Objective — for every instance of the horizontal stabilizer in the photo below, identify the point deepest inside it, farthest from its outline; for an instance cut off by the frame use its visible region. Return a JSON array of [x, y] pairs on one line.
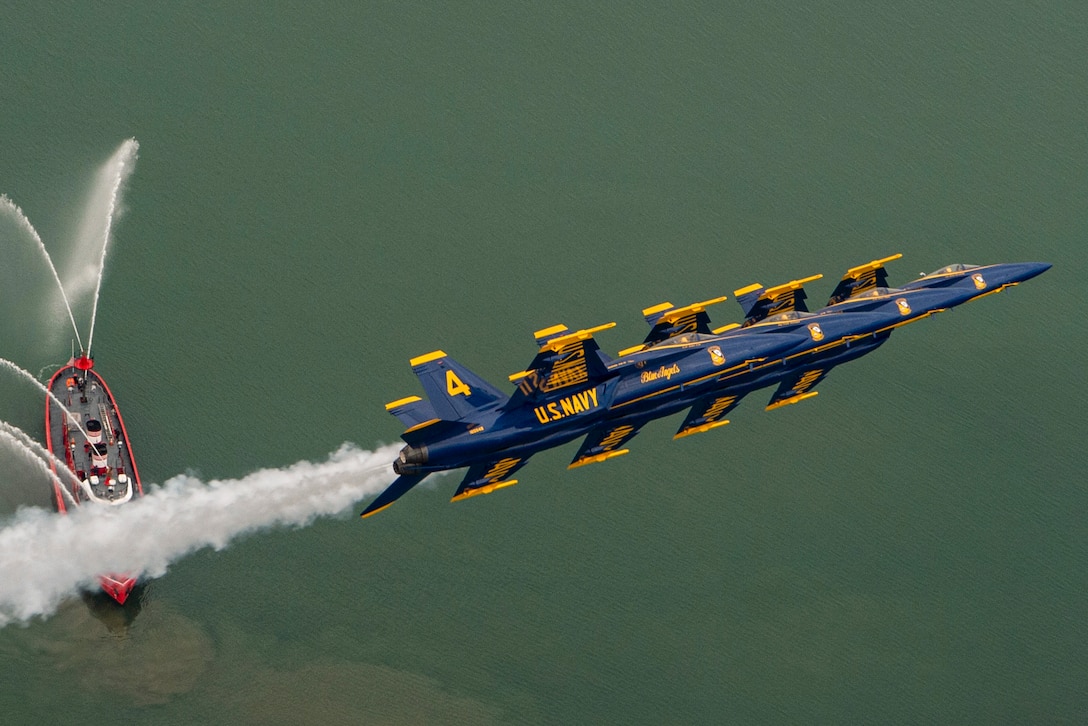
[[862, 279], [797, 388], [488, 477], [412, 411], [708, 413], [759, 302], [564, 359], [604, 443], [392, 493], [667, 321]]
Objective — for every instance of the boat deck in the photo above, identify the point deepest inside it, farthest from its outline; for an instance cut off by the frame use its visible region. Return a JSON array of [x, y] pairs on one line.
[[90, 438]]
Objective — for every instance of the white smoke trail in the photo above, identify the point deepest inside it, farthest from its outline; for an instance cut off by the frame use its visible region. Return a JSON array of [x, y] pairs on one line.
[[45, 557]]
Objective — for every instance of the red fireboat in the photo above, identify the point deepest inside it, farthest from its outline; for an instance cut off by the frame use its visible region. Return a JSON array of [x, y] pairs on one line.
[[88, 435]]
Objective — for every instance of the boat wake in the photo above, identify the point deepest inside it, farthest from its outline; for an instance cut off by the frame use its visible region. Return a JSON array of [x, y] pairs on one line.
[[45, 558]]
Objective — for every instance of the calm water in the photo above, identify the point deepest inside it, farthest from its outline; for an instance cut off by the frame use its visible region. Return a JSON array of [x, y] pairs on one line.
[[326, 191]]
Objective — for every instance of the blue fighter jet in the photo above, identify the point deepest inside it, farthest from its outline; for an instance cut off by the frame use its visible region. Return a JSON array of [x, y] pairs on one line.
[[573, 389]]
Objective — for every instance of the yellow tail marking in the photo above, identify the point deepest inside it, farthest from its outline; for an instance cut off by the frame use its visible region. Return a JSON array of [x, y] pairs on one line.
[[791, 285], [427, 358], [549, 331], [563, 340], [874, 265], [745, 290], [571, 368], [455, 386], [673, 315], [656, 308]]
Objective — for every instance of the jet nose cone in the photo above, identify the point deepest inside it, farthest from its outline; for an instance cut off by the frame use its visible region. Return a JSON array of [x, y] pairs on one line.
[[1022, 271]]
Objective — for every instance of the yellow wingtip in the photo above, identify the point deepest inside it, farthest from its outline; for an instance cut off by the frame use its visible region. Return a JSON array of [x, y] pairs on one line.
[[791, 400], [364, 515], [486, 489], [598, 458], [699, 429]]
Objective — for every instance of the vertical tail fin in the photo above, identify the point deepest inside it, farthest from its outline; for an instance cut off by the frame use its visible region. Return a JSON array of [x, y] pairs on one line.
[[565, 359], [861, 278], [667, 321], [455, 392], [759, 302]]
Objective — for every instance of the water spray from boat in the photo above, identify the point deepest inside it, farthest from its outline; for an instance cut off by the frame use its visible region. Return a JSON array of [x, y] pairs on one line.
[[45, 558], [116, 171], [39, 455], [12, 210], [24, 373]]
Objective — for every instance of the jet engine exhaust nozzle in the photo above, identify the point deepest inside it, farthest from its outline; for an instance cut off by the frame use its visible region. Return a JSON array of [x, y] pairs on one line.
[[410, 460]]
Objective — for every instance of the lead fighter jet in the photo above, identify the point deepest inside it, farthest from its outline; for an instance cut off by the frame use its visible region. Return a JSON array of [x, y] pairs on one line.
[[573, 389]]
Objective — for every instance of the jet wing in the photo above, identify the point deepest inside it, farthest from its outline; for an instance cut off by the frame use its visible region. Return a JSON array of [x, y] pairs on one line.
[[797, 387], [708, 413], [861, 279], [393, 493], [604, 442], [760, 302], [488, 476]]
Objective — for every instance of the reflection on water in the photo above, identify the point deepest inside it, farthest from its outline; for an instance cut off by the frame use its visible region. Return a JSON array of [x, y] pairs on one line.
[[117, 618]]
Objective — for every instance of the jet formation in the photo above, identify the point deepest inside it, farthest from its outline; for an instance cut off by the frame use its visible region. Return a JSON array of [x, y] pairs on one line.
[[573, 389]]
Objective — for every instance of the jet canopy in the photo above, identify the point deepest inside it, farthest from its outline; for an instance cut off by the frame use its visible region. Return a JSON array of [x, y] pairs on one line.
[[684, 339], [877, 292], [953, 268], [787, 317]]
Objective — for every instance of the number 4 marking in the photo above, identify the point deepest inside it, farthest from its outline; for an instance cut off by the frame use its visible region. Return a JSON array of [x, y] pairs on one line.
[[454, 385]]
